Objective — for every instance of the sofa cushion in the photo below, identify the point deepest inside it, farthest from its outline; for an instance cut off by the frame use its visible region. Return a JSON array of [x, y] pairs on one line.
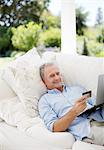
[[22, 75], [11, 110]]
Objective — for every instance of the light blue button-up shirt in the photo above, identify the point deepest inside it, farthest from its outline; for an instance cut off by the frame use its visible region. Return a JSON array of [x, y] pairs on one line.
[[55, 104]]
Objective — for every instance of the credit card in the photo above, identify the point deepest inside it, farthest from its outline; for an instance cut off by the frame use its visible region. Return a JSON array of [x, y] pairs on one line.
[[89, 93]]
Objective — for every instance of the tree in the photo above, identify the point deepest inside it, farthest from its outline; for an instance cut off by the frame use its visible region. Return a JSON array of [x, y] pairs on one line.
[[26, 36], [49, 20], [81, 18], [16, 12], [99, 17], [85, 49], [100, 37], [50, 37], [5, 41]]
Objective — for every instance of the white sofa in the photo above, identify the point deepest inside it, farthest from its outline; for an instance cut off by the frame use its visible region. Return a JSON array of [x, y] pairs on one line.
[[18, 112]]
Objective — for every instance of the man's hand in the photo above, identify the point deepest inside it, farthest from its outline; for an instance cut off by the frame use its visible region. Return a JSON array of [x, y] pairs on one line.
[[80, 104], [63, 123]]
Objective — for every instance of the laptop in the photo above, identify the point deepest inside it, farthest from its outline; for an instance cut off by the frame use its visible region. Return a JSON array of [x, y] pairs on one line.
[[99, 96]]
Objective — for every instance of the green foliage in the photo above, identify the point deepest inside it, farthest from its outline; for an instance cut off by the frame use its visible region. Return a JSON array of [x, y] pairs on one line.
[[100, 37], [50, 38], [16, 12], [101, 54], [79, 43], [81, 18], [95, 48], [3, 30], [5, 40], [94, 45], [25, 37], [16, 54], [85, 49], [50, 21], [91, 32]]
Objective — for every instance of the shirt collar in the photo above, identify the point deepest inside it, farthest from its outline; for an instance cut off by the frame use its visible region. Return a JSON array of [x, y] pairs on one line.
[[53, 91]]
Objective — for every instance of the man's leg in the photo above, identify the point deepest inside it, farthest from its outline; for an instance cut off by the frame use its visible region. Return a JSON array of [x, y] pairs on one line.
[[97, 133], [96, 136], [97, 127]]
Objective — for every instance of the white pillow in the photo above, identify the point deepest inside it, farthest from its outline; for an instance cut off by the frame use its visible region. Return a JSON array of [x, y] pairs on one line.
[[49, 56], [23, 77], [13, 113], [29, 87], [5, 90], [11, 110]]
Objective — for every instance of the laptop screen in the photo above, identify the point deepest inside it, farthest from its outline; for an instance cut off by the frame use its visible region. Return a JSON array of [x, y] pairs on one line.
[[100, 90]]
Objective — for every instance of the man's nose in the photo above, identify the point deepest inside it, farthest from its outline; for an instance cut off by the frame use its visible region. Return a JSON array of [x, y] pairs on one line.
[[57, 77]]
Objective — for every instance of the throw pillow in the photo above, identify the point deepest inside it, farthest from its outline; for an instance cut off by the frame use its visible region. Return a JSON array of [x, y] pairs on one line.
[[23, 77]]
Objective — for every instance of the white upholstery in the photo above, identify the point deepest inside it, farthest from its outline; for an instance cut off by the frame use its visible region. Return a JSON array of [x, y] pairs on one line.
[[6, 91], [76, 70], [85, 146], [62, 140], [22, 75], [12, 112], [81, 70]]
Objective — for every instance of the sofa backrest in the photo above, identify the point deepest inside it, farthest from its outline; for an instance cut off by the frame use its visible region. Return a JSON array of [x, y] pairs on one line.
[[76, 69], [81, 70]]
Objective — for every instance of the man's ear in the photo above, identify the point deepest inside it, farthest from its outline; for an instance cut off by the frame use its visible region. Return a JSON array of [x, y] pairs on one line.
[[44, 82]]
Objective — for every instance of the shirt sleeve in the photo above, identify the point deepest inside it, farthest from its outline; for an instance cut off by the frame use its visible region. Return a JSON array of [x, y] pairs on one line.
[[47, 113]]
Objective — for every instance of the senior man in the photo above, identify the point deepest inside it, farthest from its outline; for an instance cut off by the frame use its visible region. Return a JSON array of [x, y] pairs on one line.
[[61, 107]]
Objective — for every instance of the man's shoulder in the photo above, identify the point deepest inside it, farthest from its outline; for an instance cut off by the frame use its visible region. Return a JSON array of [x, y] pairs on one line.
[[77, 87], [43, 95]]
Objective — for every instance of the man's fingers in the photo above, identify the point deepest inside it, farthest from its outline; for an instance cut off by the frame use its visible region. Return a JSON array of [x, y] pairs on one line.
[[83, 98]]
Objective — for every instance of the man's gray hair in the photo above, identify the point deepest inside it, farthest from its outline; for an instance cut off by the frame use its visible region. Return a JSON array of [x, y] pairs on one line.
[[42, 68]]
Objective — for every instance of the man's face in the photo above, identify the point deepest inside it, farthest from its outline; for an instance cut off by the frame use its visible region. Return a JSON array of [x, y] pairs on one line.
[[52, 77]]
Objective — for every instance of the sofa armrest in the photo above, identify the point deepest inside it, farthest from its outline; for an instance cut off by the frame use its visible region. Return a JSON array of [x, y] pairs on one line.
[[79, 145], [62, 140]]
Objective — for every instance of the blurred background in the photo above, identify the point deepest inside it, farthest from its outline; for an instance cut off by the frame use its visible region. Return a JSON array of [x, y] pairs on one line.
[[25, 24]]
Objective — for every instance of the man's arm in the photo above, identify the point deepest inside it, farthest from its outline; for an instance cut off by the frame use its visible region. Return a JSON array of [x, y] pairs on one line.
[[63, 123], [47, 113]]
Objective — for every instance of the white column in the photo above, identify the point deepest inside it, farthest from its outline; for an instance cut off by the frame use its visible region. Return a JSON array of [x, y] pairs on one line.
[[68, 27]]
